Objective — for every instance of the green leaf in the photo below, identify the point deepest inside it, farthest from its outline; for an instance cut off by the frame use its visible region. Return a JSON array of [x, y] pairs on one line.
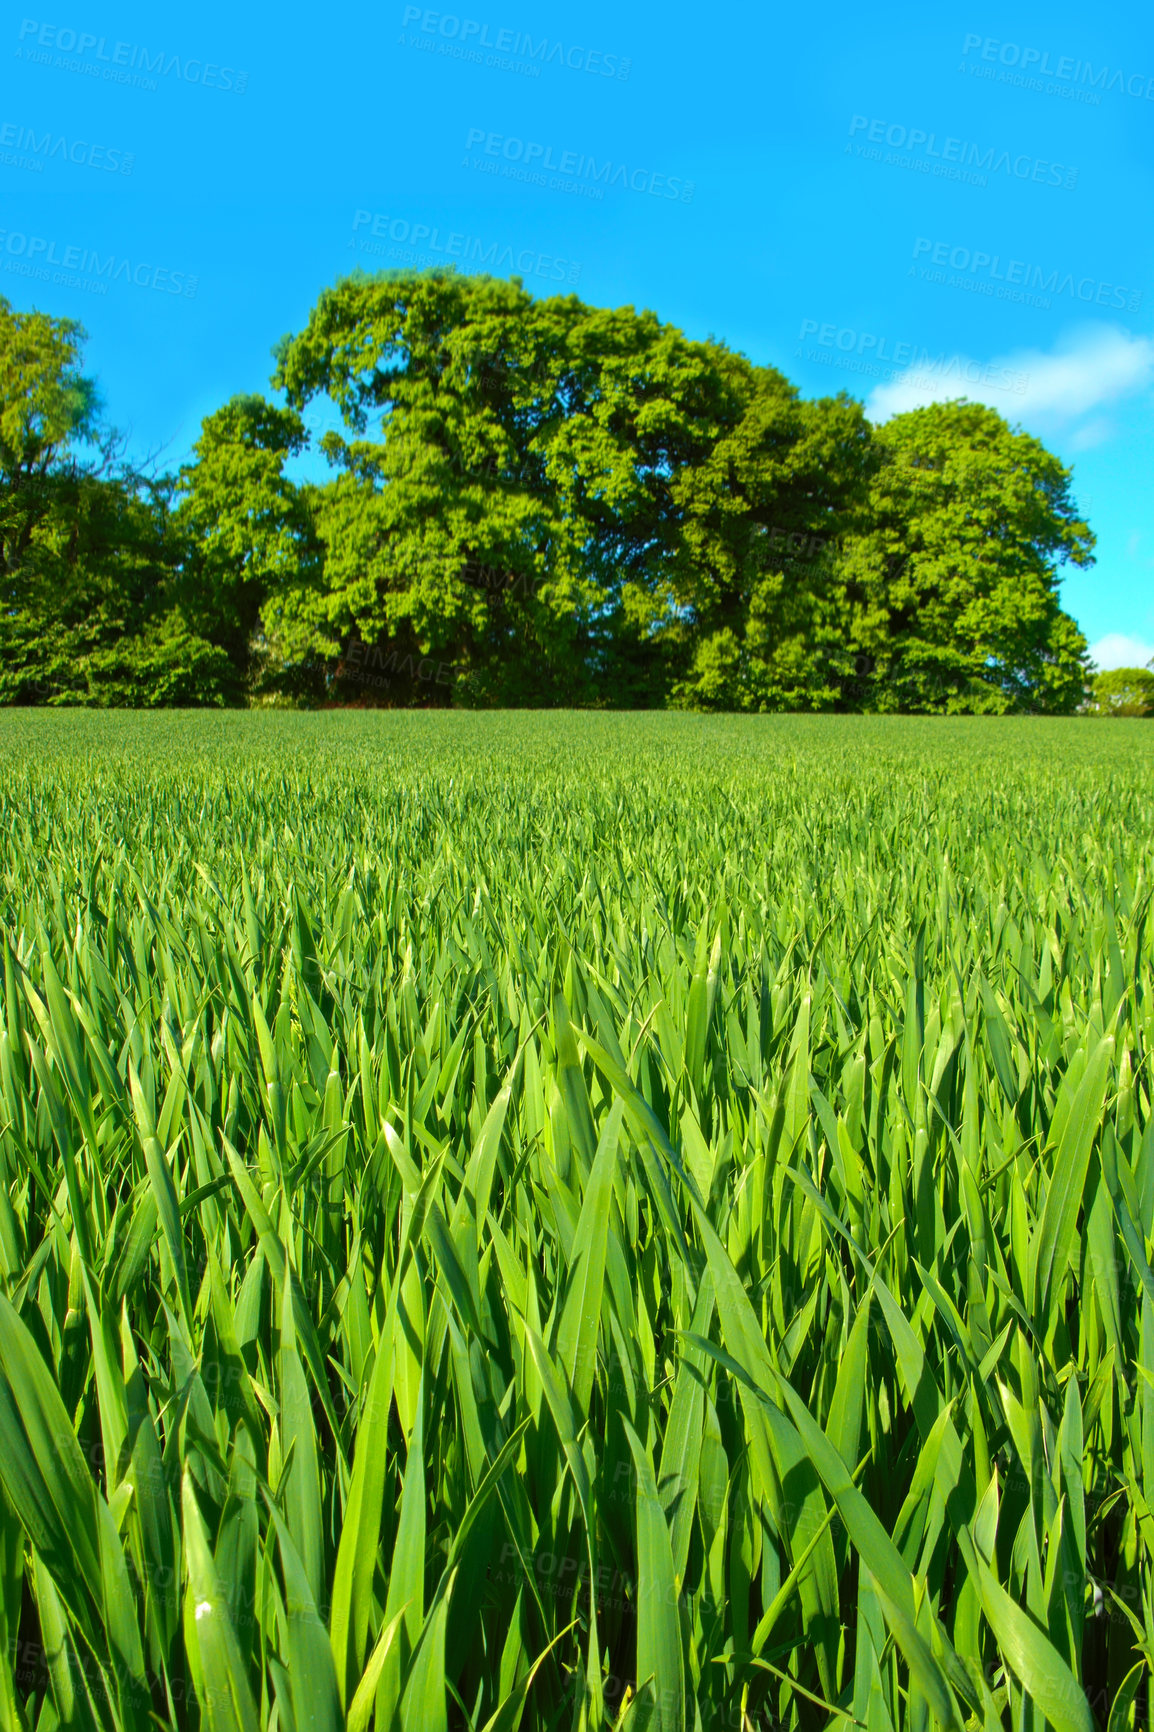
[[316, 1704], [163, 1189], [581, 1311], [1043, 1673], [659, 1658], [302, 1487], [364, 1702], [1051, 1247], [223, 1689], [423, 1706]]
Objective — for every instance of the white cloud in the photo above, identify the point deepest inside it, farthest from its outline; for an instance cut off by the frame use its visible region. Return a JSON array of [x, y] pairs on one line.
[[1092, 366], [1116, 650], [1099, 364]]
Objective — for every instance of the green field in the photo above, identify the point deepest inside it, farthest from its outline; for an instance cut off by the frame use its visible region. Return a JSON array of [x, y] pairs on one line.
[[570, 1221]]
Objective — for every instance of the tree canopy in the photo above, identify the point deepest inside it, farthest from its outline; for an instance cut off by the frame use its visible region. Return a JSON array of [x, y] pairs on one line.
[[88, 556], [530, 502], [1122, 692], [950, 584]]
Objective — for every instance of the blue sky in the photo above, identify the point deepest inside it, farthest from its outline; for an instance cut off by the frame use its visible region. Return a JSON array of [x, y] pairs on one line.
[[938, 202]]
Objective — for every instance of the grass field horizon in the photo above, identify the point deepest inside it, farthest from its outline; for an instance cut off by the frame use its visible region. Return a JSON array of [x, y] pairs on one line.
[[559, 1220], [1102, 740]]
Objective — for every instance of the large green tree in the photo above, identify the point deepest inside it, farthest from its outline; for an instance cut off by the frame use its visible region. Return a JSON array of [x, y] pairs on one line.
[[563, 500], [697, 480], [947, 591], [246, 540], [763, 514], [86, 555], [440, 529]]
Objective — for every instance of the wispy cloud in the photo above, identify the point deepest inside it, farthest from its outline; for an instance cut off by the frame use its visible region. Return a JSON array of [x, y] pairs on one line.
[[1090, 368], [1116, 650]]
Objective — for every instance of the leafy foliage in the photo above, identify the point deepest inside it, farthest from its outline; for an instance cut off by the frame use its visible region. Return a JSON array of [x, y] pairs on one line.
[[566, 506], [951, 581], [1122, 692], [246, 531], [87, 557]]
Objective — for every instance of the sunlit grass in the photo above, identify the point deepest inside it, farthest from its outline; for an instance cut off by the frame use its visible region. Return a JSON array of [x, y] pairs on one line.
[[540, 1221]]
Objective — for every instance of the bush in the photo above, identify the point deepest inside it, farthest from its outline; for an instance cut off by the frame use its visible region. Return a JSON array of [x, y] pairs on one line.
[[1123, 692]]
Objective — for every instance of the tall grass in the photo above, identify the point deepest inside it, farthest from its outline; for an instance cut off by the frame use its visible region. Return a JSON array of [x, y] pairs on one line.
[[554, 1222]]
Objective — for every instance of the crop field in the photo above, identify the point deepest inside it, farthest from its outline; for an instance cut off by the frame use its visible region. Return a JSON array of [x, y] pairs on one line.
[[553, 1221]]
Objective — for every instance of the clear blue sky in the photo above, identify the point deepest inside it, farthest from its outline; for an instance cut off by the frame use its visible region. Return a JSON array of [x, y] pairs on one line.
[[932, 202]]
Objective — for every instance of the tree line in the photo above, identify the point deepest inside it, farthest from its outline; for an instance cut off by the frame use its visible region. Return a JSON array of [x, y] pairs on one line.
[[527, 502]]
